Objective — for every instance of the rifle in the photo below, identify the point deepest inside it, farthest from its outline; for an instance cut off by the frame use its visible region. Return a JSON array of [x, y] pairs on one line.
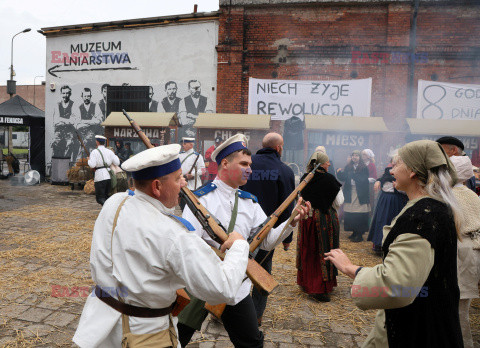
[[262, 231], [81, 142], [190, 171], [259, 276]]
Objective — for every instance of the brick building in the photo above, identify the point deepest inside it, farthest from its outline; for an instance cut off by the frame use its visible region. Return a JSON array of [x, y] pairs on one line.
[[35, 95], [343, 40]]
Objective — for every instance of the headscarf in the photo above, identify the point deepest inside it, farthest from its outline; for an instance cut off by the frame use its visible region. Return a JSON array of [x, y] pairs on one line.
[[422, 155], [316, 158], [357, 152], [369, 153], [323, 188], [464, 167], [321, 149]]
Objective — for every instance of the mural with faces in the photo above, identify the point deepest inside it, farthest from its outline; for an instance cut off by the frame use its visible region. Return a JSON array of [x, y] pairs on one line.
[[182, 78]]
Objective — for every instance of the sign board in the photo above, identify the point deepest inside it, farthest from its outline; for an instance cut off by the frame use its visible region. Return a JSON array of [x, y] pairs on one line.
[[11, 120], [285, 98], [440, 100]]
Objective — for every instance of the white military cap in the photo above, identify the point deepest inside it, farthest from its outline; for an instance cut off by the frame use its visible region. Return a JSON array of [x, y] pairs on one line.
[[232, 144], [100, 137], [154, 163], [188, 140]]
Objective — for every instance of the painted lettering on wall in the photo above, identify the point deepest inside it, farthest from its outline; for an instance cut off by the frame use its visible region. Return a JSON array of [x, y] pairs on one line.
[[153, 133], [225, 134]]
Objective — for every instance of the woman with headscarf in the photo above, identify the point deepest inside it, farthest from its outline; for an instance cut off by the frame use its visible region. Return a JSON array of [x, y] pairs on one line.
[[319, 233], [416, 286], [468, 248], [357, 199], [390, 203], [368, 158]]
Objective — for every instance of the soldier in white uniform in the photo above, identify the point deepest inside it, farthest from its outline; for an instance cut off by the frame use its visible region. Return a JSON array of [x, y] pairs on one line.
[[239, 211], [193, 164], [143, 253], [101, 159]]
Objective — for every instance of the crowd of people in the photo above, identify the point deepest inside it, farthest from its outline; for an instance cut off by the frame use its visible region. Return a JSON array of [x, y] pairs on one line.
[[425, 225]]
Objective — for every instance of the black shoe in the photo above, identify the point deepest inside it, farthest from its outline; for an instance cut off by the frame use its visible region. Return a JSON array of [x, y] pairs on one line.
[[351, 236], [321, 297], [357, 239]]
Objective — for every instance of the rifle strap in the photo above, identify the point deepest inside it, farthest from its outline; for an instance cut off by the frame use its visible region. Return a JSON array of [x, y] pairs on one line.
[[233, 218], [186, 158]]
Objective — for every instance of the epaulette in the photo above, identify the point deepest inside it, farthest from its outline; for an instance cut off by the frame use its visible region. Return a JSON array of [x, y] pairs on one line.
[[195, 153], [247, 195], [203, 190]]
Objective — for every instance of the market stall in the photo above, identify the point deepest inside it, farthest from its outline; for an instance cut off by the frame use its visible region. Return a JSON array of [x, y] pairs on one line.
[[210, 125], [342, 134], [161, 128], [468, 131], [18, 112]]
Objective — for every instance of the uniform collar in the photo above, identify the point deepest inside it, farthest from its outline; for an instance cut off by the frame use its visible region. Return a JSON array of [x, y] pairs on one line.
[[155, 202], [224, 187]]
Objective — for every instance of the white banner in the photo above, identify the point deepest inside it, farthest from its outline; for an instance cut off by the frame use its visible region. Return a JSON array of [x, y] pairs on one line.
[[285, 98], [440, 100]]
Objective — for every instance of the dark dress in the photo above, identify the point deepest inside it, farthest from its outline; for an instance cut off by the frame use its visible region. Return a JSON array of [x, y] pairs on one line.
[[355, 220], [318, 234], [388, 206], [431, 320]]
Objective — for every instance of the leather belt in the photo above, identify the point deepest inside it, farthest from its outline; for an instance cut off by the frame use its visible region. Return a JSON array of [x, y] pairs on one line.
[[131, 311]]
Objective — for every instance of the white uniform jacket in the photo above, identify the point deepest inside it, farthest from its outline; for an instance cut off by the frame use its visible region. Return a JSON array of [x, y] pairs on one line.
[[220, 202], [153, 256], [95, 161], [188, 158]]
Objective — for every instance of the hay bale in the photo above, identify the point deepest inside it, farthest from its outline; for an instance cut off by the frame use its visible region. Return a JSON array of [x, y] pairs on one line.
[[89, 187], [79, 174]]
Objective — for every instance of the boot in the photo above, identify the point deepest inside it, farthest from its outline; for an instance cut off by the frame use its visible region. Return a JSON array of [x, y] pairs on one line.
[[357, 237]]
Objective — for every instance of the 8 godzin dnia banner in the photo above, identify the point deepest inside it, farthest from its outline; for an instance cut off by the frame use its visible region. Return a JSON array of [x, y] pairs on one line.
[[285, 98], [441, 101]]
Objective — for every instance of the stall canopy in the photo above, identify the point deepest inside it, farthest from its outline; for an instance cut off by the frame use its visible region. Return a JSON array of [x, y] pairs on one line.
[[18, 112], [232, 121], [345, 123], [422, 126], [143, 119]]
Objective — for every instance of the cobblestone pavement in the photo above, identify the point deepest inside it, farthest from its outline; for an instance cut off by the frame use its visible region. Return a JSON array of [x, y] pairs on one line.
[[45, 237]]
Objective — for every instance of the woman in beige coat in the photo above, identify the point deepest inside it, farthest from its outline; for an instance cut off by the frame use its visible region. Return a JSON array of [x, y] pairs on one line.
[[468, 248], [415, 287]]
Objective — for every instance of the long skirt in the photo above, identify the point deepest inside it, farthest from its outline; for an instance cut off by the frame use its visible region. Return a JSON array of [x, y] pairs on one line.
[[317, 235], [388, 206]]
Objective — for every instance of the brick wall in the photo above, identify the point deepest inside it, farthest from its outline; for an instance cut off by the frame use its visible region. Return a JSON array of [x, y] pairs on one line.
[[27, 92], [320, 38]]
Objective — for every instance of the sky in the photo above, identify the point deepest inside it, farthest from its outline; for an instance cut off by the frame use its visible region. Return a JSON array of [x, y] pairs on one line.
[[29, 52]]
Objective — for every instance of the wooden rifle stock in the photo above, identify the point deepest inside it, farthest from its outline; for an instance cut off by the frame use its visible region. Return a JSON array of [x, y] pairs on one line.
[[81, 143], [258, 275], [268, 224]]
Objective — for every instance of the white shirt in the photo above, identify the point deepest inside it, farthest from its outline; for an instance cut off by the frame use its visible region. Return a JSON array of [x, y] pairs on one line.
[[220, 203], [153, 256], [95, 161], [188, 158]]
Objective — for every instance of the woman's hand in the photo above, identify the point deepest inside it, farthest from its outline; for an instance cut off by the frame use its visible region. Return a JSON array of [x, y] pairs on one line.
[[376, 187], [301, 210], [342, 262]]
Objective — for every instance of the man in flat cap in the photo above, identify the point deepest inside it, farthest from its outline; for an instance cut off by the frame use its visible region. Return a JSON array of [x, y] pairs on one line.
[[101, 159], [239, 211], [454, 147], [192, 162], [141, 254]]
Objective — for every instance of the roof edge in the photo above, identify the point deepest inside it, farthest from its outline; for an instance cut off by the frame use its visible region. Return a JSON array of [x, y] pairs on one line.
[[130, 23]]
